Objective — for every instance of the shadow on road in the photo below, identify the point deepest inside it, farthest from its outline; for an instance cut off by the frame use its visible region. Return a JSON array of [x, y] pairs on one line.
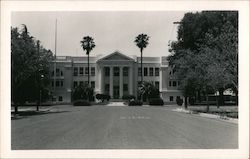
[[23, 114]]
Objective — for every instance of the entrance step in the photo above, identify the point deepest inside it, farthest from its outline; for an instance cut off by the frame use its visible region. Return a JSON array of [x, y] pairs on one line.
[[117, 104]]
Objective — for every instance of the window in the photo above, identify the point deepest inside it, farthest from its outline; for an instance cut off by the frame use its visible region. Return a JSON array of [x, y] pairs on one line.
[[170, 83], [106, 88], [125, 87], [92, 84], [174, 83], [151, 71], [125, 71], [60, 98], [92, 71], [57, 72], [61, 73], [139, 71], [52, 84], [75, 71], [75, 84], [157, 71], [86, 70], [81, 71], [157, 85], [61, 83], [179, 83], [52, 73], [57, 83], [116, 71], [86, 82], [81, 83], [171, 98], [107, 69], [145, 71]]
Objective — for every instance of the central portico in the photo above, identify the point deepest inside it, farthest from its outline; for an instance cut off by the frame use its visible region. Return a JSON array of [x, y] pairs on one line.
[[116, 75]]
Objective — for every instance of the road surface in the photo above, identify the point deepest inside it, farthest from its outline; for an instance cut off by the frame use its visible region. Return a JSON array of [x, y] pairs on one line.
[[103, 127]]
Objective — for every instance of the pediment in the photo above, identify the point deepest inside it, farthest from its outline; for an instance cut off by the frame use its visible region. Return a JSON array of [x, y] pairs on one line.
[[116, 56]]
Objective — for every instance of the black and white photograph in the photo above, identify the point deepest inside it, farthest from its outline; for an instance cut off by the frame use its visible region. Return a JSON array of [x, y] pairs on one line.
[[126, 80]]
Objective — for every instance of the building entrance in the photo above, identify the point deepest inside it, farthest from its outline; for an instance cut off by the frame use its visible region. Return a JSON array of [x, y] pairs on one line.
[[116, 93]]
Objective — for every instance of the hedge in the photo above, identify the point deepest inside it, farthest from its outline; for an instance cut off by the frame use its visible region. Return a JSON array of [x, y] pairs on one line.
[[156, 101], [81, 103], [135, 103]]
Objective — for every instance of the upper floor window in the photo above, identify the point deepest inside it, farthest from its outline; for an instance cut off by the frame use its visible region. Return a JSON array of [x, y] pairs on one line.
[[86, 70], [170, 83], [174, 83], [75, 71], [145, 71], [57, 72], [81, 71], [106, 70], [151, 71], [92, 71], [157, 71], [125, 71], [116, 71]]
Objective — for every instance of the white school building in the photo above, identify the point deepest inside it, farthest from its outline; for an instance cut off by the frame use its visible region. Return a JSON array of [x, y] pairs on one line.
[[115, 74]]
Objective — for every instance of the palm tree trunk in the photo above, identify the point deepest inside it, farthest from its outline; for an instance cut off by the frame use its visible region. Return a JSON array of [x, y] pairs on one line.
[[88, 68], [141, 75], [141, 68]]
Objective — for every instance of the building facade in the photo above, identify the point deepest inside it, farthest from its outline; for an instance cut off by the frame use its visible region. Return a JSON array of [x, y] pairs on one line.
[[115, 74]]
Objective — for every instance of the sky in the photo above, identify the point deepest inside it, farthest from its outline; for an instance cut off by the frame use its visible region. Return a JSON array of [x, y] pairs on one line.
[[111, 30]]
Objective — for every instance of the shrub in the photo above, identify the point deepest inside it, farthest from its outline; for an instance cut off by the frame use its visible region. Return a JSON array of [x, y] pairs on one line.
[[81, 103], [102, 97], [135, 103], [179, 101], [156, 101], [83, 92], [128, 97]]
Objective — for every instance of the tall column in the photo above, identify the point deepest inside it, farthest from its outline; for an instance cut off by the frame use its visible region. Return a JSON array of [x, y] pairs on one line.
[[121, 82], [130, 82], [101, 82], [111, 74]]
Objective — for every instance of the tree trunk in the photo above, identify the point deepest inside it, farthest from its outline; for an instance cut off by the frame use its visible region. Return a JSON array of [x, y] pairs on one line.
[[88, 68], [207, 103], [141, 68], [185, 103], [221, 98], [141, 75]]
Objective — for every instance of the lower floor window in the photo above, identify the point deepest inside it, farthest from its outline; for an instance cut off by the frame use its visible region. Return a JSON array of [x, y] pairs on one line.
[[60, 98], [171, 98], [92, 84]]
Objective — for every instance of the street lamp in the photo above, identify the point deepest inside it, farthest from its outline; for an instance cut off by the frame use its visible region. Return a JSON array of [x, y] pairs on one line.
[[40, 92]]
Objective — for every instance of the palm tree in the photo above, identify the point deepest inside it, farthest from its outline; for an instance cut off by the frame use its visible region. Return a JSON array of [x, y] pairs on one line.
[[142, 41], [87, 44]]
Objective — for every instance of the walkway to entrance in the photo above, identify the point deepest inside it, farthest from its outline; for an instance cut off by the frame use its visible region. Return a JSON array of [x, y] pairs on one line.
[[118, 104]]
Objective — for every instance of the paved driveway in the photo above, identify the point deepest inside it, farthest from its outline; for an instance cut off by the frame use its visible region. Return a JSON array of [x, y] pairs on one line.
[[102, 127]]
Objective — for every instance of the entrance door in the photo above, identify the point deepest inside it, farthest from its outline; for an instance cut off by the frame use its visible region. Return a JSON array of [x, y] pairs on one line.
[[116, 92]]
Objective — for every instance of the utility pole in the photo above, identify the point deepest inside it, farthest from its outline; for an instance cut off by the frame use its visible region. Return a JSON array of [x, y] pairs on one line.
[[55, 61]]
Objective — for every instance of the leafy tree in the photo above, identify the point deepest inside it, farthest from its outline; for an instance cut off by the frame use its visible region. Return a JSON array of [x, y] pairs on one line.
[[206, 52], [83, 92], [142, 41], [29, 68], [88, 44], [147, 90]]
